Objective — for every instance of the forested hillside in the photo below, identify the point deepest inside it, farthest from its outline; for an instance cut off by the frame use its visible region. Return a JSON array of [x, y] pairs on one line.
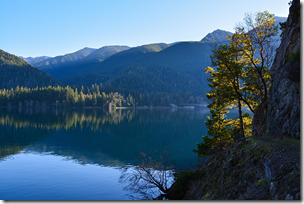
[[63, 61], [156, 78], [187, 56], [93, 96], [113, 61], [155, 68], [146, 69], [95, 57], [17, 72]]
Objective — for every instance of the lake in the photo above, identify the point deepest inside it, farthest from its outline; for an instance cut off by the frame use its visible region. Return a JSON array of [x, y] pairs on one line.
[[78, 154]]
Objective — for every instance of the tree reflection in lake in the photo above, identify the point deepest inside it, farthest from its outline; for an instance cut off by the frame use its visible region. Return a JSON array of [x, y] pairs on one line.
[[151, 177], [121, 134]]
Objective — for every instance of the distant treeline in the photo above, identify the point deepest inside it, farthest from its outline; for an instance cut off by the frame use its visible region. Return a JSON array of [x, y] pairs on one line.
[[96, 96]]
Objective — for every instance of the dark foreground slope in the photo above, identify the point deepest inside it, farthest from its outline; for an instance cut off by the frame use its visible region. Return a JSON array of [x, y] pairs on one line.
[[15, 71], [253, 169], [265, 166]]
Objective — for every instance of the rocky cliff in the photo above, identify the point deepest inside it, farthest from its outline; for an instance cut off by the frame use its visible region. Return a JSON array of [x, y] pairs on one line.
[[266, 165], [279, 115]]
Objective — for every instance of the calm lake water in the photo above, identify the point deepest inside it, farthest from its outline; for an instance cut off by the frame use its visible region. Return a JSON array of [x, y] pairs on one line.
[[77, 154]]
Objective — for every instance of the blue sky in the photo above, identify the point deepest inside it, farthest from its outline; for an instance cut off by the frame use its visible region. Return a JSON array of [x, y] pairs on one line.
[[56, 27]]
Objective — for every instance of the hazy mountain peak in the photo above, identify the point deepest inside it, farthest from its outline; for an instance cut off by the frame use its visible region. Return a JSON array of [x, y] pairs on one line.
[[32, 60], [89, 49], [84, 51], [67, 58], [104, 52], [279, 19], [216, 36]]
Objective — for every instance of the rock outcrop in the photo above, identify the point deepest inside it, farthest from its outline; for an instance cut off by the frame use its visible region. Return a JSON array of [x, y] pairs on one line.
[[279, 115]]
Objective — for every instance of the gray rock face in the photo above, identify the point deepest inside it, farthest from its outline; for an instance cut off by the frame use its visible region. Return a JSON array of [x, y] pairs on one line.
[[279, 115]]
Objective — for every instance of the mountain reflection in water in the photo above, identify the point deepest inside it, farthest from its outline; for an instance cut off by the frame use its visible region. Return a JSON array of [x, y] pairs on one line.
[[104, 138]]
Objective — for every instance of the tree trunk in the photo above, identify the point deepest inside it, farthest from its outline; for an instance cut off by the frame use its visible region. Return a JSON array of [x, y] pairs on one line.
[[241, 119]]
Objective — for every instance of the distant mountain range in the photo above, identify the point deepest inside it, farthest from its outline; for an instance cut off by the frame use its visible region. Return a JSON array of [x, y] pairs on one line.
[[152, 68], [63, 61], [158, 67], [17, 72], [34, 60]]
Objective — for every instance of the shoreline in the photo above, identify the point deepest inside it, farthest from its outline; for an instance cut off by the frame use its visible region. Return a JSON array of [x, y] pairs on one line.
[[118, 108]]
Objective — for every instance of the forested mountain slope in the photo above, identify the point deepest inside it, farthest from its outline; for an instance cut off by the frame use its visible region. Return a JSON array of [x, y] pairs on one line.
[[184, 55], [17, 72], [187, 56], [117, 60], [95, 57], [63, 61], [179, 67], [156, 78]]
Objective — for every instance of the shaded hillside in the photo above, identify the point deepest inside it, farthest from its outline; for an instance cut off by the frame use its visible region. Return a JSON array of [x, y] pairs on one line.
[[115, 60], [186, 60], [192, 57], [17, 72], [124, 57], [63, 61], [155, 78], [86, 79], [95, 57], [103, 53], [187, 56]]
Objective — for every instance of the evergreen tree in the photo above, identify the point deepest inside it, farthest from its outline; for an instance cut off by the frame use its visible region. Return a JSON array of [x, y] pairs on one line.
[[219, 133], [81, 99], [75, 97], [226, 86], [94, 99]]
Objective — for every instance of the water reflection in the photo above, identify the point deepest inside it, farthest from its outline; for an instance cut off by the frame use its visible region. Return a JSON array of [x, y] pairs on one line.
[[104, 138], [79, 153], [62, 118]]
